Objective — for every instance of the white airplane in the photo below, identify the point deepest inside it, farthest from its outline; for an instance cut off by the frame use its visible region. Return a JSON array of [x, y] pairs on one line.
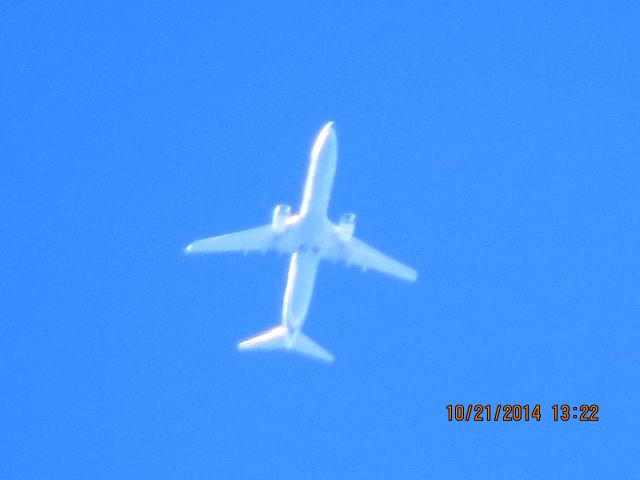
[[308, 237]]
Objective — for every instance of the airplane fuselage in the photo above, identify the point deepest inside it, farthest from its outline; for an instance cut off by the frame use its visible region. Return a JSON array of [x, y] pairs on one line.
[[322, 170], [314, 231]]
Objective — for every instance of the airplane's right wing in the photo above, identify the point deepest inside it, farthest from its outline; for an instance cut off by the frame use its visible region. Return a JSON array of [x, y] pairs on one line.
[[255, 239], [359, 253]]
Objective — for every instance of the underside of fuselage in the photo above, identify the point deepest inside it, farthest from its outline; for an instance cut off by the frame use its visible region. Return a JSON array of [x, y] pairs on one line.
[[314, 230]]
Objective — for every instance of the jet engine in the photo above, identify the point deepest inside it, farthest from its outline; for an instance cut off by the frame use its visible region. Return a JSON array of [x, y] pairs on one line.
[[347, 226], [280, 215]]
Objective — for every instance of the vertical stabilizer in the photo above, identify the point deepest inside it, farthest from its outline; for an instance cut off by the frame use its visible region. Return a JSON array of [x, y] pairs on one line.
[[278, 338]]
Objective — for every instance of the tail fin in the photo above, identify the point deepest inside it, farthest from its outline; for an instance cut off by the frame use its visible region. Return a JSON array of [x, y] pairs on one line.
[[278, 338]]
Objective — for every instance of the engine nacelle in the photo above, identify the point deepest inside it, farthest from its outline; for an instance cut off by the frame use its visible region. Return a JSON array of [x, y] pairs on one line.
[[280, 216], [347, 226]]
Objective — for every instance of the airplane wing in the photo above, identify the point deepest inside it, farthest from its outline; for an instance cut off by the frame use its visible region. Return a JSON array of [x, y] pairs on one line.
[[359, 253], [255, 239]]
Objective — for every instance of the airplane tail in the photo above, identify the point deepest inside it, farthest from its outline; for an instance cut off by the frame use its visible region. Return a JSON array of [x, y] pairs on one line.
[[278, 338]]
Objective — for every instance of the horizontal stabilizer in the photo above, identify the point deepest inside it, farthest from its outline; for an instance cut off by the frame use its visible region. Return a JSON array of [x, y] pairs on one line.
[[278, 338], [269, 340], [306, 346]]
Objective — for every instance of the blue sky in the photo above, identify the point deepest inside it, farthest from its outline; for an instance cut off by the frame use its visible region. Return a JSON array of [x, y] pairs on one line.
[[492, 145]]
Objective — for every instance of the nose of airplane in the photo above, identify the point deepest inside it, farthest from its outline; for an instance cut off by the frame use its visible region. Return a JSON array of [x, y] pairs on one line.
[[328, 130], [326, 141]]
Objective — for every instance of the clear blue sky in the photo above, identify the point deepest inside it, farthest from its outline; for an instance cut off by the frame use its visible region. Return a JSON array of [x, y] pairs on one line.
[[492, 145]]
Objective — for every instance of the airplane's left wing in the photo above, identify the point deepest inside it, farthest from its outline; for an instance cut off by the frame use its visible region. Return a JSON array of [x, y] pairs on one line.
[[255, 239], [357, 252]]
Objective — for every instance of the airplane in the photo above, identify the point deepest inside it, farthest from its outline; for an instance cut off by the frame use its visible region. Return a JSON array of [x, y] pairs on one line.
[[309, 237]]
